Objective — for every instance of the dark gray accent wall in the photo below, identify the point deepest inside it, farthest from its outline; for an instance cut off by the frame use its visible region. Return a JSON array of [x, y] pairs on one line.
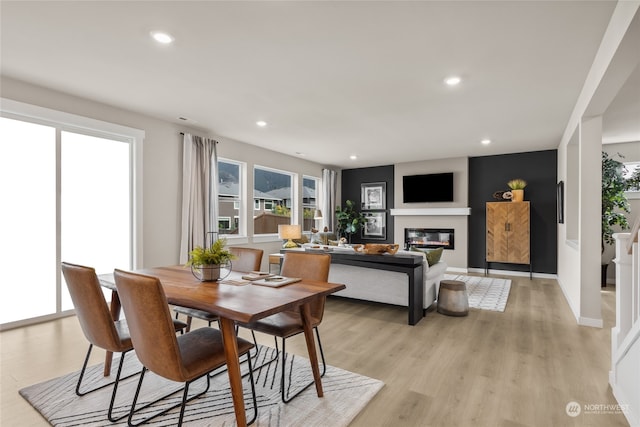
[[351, 180], [490, 174], [487, 175]]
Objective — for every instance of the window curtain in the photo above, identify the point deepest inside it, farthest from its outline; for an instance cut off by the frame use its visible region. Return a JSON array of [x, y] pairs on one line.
[[199, 193], [329, 188]]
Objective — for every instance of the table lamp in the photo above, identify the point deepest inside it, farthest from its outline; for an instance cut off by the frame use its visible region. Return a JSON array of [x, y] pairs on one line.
[[289, 231]]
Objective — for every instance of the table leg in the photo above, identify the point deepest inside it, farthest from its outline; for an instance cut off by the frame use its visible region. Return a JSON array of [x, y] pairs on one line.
[[115, 315], [305, 311], [233, 369]]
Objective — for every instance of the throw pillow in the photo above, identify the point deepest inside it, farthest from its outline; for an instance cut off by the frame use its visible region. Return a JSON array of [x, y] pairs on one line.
[[433, 255]]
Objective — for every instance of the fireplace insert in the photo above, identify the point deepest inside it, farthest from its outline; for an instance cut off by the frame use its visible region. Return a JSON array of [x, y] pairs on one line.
[[429, 238]]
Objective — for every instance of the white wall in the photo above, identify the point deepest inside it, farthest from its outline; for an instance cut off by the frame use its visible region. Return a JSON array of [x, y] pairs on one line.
[[456, 259], [613, 63], [162, 165]]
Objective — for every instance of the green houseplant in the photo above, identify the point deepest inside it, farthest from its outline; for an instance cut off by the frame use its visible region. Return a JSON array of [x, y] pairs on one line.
[[614, 202], [349, 220], [205, 263]]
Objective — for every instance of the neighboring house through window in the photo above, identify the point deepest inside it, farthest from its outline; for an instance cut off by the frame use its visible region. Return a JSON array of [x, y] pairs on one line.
[[310, 186], [273, 188], [230, 194]]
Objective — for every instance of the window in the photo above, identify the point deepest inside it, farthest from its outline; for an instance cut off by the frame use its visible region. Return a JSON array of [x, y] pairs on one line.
[[256, 204], [632, 170], [268, 205], [66, 166], [31, 222], [310, 203], [230, 191], [276, 187], [94, 170], [224, 224]]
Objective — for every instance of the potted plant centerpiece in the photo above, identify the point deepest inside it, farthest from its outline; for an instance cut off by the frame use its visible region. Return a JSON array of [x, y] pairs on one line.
[[206, 263], [517, 189], [349, 220]]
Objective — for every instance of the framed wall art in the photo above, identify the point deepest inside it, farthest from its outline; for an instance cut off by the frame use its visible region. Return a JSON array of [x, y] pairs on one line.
[[373, 196], [375, 227], [560, 201]]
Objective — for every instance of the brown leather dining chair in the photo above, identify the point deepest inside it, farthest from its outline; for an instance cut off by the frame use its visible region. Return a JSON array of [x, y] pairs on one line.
[[184, 358], [97, 324], [246, 260], [289, 323]]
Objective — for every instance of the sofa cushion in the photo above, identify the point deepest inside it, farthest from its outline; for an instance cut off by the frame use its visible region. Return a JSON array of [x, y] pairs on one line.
[[425, 265], [433, 255]]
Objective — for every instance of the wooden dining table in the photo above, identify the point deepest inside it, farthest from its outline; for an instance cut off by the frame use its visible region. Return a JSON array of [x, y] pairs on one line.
[[235, 300]]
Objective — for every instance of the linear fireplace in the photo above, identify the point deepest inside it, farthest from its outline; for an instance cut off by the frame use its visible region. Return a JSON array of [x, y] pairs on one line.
[[429, 238]]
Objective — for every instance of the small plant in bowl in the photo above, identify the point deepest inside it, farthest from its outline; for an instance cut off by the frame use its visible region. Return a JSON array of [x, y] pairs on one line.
[[205, 263]]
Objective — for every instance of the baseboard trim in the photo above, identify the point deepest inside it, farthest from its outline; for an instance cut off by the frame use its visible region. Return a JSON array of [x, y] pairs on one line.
[[632, 417], [569, 302], [457, 270], [512, 273], [589, 321]]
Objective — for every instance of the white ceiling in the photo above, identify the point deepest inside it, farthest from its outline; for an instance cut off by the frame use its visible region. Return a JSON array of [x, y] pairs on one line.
[[331, 78]]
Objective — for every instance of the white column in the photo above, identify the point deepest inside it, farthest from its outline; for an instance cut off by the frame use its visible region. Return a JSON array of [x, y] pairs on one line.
[[590, 142]]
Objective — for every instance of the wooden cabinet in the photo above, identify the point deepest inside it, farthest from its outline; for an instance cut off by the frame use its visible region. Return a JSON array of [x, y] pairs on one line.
[[508, 233]]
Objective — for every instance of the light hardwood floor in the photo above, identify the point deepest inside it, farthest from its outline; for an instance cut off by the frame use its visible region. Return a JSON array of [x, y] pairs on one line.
[[517, 368]]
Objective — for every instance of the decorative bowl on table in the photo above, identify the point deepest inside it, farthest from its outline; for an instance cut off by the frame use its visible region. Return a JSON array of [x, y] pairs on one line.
[[378, 248], [211, 272]]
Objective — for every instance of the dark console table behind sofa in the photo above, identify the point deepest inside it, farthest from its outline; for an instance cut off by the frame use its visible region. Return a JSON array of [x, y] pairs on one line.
[[409, 264]]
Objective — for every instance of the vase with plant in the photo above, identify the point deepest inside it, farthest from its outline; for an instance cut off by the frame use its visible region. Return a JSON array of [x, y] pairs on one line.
[[206, 263], [517, 189], [349, 220]]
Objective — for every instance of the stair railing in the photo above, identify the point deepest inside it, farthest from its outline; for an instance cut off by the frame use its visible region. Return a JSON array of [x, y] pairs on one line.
[[625, 336]]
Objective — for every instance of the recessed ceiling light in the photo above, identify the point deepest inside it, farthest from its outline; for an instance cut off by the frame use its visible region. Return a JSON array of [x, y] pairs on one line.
[[453, 80], [486, 141], [353, 157], [261, 123], [161, 37]]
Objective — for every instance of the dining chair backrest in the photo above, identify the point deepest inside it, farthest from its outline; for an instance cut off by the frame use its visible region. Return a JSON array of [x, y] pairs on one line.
[[150, 324], [91, 307], [247, 259], [309, 267]]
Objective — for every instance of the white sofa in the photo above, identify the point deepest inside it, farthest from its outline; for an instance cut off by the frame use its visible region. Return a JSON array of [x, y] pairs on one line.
[[386, 286]]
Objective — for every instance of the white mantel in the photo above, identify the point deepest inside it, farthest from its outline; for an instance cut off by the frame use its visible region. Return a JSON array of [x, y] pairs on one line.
[[431, 211]]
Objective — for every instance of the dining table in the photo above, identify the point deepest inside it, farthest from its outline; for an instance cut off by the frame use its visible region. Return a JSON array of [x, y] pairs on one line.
[[234, 299]]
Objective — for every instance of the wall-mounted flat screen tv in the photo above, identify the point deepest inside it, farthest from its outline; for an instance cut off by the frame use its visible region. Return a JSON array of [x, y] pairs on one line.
[[435, 187]]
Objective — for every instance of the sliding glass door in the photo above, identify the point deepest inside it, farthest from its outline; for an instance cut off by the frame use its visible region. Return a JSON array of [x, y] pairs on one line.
[[27, 220], [67, 196], [95, 204]]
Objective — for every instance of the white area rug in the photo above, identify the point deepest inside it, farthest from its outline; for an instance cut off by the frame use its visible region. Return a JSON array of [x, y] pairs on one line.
[[345, 395], [486, 293]]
